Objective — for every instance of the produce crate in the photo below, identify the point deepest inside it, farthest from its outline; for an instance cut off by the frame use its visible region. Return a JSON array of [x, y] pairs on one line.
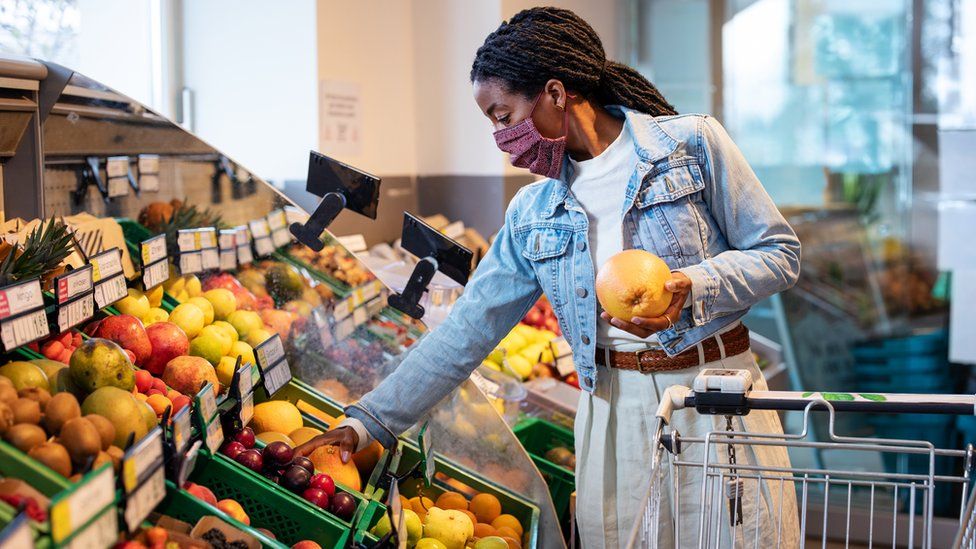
[[16, 464], [269, 506], [182, 505], [525, 511], [538, 437], [340, 288]]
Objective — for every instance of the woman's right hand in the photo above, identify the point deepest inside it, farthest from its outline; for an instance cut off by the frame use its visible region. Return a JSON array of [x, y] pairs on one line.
[[343, 437]]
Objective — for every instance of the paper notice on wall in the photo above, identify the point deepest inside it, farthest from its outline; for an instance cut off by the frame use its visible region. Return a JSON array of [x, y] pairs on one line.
[[340, 117]]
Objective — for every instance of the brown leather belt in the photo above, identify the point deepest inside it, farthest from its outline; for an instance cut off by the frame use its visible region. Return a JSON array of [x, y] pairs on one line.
[[735, 341]]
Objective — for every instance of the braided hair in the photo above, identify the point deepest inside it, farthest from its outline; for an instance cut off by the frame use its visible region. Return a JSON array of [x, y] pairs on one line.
[[538, 44]]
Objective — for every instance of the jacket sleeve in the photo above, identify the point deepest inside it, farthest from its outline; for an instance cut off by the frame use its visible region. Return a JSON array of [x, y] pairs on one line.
[[502, 290], [764, 258]]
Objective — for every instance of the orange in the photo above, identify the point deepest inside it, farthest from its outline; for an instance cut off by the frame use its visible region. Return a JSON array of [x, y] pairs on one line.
[[482, 530], [405, 502], [510, 521], [631, 283], [452, 500], [512, 543], [486, 507], [420, 506], [474, 519], [158, 403], [506, 532]]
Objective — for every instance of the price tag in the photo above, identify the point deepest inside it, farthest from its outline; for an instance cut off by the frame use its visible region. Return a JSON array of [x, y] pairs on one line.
[[243, 240], [108, 277], [357, 297], [246, 408], [228, 260], [181, 430], [399, 517], [371, 290], [342, 309], [563, 355], [117, 169], [227, 239], [22, 317], [207, 237], [274, 368], [359, 316], [259, 228], [188, 240], [427, 453], [155, 274], [214, 435], [191, 262], [102, 532], [77, 505], [17, 534], [153, 249], [277, 220], [207, 421], [210, 259], [486, 385], [294, 215], [354, 243], [280, 237], [207, 403], [454, 230], [74, 296], [118, 187], [374, 306], [148, 172], [143, 478], [263, 246]]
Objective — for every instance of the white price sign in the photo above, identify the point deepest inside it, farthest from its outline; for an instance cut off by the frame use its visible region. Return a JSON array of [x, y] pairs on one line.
[[155, 274], [82, 502], [188, 240], [280, 237], [155, 269], [228, 260], [74, 313], [153, 249], [148, 172], [108, 277], [143, 478], [359, 316], [263, 246], [259, 228], [277, 220], [74, 295], [272, 363], [210, 259], [243, 241], [102, 532], [191, 262], [117, 169], [22, 317]]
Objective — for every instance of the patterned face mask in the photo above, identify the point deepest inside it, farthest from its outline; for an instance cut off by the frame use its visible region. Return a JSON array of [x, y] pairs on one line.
[[530, 149]]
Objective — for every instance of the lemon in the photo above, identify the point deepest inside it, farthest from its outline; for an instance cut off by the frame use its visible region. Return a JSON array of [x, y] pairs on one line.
[[243, 350], [225, 369], [189, 318], [223, 301], [257, 337], [205, 306], [209, 347], [227, 329], [245, 321], [135, 304], [193, 286], [155, 315], [225, 341], [520, 365], [155, 296]]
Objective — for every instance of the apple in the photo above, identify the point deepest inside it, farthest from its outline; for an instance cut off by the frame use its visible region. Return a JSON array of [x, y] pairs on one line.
[[128, 332], [168, 342]]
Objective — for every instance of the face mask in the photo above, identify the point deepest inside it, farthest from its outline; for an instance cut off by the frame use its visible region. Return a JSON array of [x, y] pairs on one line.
[[530, 149]]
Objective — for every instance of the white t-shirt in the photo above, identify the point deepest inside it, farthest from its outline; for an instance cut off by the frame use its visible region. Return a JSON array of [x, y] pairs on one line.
[[599, 185]]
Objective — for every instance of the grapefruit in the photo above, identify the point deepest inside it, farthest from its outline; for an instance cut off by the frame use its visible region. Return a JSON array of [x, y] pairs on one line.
[[631, 283]]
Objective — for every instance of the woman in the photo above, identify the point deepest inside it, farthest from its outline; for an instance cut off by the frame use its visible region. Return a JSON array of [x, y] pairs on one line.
[[622, 170]]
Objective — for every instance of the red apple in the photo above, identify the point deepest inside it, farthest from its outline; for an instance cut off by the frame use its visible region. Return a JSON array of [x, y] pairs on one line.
[[168, 342], [127, 331]]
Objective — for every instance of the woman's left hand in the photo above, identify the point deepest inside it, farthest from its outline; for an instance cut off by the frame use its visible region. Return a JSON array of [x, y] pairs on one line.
[[680, 288]]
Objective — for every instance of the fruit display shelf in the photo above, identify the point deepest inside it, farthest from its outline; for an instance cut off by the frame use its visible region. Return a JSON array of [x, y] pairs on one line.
[[540, 437], [451, 477], [340, 288], [182, 505]]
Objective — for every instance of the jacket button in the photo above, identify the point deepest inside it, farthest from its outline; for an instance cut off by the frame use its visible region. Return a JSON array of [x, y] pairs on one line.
[[581, 292], [585, 339], [581, 245]]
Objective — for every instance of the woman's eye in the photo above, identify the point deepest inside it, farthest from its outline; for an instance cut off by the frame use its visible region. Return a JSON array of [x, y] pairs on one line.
[[504, 119]]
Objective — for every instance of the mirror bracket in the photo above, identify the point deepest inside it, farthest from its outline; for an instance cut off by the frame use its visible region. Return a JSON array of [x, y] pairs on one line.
[[328, 209], [88, 176], [408, 301]]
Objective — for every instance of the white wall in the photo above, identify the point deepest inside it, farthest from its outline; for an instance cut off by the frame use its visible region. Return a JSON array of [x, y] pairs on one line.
[[116, 30], [252, 69], [370, 43]]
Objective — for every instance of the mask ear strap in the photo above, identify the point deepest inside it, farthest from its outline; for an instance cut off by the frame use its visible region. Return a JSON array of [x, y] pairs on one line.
[[566, 113]]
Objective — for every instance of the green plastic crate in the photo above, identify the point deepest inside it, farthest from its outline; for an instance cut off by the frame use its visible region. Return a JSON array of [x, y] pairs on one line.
[[182, 505], [538, 437], [270, 506], [16, 464], [525, 511]]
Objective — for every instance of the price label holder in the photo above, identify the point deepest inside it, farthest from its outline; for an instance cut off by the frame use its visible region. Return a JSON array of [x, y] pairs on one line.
[[360, 315], [18, 533], [242, 390], [191, 253], [427, 462], [143, 478], [275, 372], [487, 386], [22, 318], [155, 268], [397, 517], [563, 355], [119, 176], [208, 422], [183, 450], [74, 294], [148, 172], [209, 251], [354, 243], [108, 277], [84, 515], [342, 309], [261, 233], [343, 329], [278, 223], [227, 242], [374, 306], [245, 255]]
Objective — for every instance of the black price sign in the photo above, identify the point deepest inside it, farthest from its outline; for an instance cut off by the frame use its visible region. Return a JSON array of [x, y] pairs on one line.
[[75, 298], [275, 372], [108, 277], [143, 478], [155, 269], [22, 317]]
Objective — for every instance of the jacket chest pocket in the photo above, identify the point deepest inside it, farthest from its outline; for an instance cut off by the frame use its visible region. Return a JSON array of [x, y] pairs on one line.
[[669, 211], [547, 248]]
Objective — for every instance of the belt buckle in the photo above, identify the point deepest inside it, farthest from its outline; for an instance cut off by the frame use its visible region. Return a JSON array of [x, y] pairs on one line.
[[640, 364]]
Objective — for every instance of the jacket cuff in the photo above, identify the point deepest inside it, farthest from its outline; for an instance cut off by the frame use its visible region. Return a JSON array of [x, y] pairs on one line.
[[703, 291], [376, 429], [365, 439]]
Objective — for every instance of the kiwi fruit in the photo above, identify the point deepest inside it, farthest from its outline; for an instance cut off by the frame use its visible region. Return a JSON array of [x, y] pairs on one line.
[[54, 456], [26, 411], [25, 436], [62, 408], [116, 454], [41, 396], [101, 459], [7, 392], [6, 417], [81, 439], [106, 430]]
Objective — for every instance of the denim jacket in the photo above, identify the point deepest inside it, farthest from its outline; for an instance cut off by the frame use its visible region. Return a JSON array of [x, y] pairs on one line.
[[692, 200]]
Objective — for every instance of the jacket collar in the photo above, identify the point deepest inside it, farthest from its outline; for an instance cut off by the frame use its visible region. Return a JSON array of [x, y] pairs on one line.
[[650, 140]]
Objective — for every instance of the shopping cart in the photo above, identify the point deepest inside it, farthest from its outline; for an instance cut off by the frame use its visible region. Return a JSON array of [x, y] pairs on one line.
[[862, 505]]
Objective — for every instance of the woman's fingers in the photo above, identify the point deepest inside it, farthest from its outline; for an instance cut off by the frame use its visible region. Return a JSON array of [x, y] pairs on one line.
[[343, 437]]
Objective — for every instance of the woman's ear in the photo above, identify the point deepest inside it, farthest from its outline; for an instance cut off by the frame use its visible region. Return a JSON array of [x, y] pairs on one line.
[[557, 93]]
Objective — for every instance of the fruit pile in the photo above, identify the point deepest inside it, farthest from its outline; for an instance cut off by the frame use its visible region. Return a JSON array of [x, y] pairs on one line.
[[298, 474], [229, 506], [526, 350], [146, 306], [58, 347], [454, 522], [541, 316], [334, 261], [562, 456]]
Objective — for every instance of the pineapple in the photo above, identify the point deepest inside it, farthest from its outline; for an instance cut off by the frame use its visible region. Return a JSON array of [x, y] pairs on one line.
[[41, 255], [186, 217]]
